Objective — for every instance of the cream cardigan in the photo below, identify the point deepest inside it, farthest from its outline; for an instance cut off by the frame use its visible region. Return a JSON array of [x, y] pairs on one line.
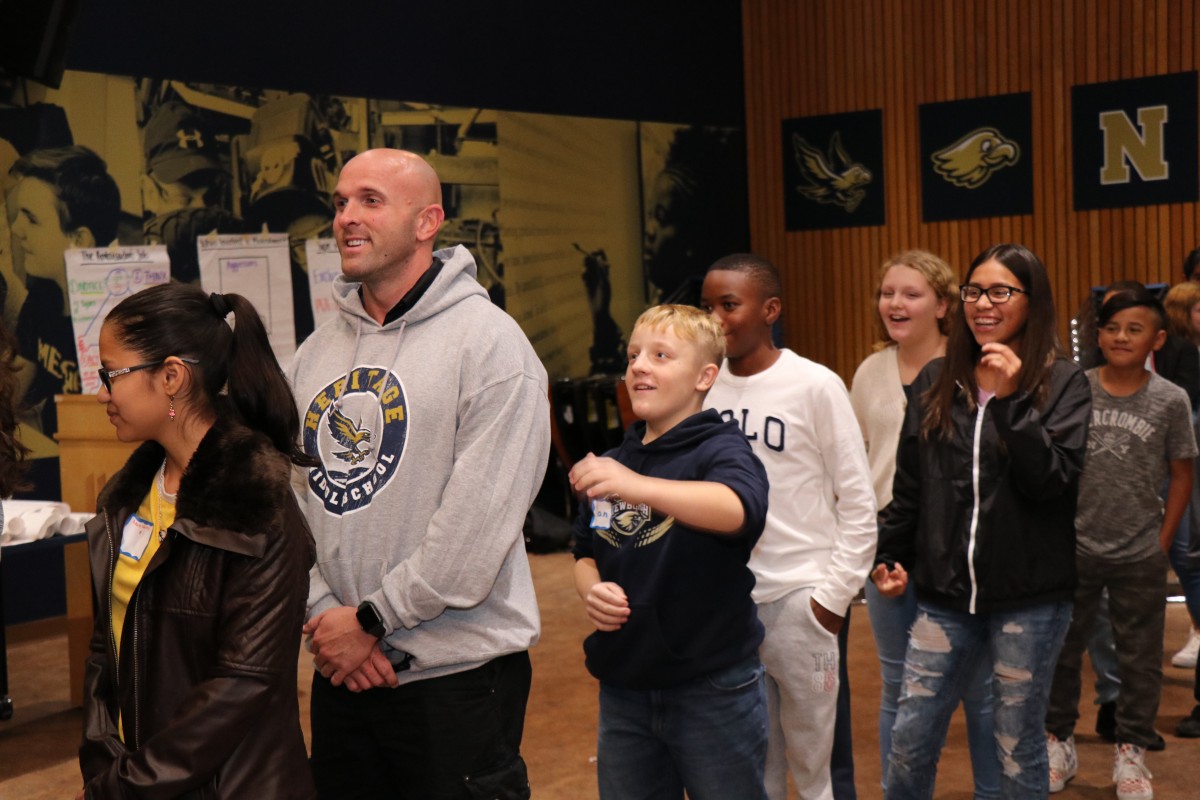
[[879, 402]]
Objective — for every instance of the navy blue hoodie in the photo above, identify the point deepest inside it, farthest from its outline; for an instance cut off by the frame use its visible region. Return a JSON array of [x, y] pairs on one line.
[[689, 592]]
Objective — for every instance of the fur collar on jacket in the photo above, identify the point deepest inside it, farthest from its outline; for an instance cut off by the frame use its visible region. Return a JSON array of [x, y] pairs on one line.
[[235, 481]]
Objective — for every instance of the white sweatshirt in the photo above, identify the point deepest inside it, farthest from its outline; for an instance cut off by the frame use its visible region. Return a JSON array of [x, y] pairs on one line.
[[821, 520]]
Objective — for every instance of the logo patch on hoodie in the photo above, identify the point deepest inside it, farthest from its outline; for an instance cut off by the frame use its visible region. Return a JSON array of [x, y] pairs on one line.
[[357, 426], [631, 525]]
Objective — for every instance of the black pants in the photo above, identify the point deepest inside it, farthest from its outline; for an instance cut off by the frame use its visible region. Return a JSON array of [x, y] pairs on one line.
[[1135, 601], [457, 737]]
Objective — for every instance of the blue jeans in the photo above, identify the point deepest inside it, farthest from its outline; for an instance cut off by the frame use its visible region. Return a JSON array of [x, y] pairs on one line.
[[708, 736], [944, 650], [1189, 576], [891, 619]]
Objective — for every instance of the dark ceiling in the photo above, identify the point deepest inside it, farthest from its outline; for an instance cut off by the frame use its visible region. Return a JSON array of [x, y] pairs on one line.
[[666, 61]]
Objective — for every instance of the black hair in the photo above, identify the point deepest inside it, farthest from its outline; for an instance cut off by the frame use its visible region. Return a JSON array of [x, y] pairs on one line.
[[85, 194], [1039, 340], [1136, 297], [761, 271], [1190, 262], [177, 319]]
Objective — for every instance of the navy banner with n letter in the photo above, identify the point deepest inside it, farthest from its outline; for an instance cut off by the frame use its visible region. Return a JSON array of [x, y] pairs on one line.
[[1135, 142]]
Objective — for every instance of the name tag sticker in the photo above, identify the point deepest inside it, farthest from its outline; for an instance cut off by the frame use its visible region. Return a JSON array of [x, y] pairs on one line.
[[601, 514], [135, 536]]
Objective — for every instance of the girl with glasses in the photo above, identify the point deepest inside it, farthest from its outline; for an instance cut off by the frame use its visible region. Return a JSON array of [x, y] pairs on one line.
[[982, 513], [199, 559], [914, 298]]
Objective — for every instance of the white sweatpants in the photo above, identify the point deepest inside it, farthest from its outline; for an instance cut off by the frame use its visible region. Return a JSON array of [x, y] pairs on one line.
[[801, 661]]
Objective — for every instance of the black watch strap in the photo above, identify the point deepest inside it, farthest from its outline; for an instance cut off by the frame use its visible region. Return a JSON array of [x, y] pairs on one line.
[[369, 619]]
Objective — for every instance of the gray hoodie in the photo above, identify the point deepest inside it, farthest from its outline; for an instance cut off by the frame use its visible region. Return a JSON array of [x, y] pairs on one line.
[[433, 432]]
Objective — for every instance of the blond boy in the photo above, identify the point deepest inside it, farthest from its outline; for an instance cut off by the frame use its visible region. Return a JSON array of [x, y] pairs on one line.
[[668, 522]]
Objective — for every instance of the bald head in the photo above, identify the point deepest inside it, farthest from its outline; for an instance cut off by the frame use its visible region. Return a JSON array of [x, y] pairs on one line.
[[420, 183]]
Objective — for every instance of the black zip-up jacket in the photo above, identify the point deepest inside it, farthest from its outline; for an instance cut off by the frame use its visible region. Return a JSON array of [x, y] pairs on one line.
[[985, 521], [207, 680]]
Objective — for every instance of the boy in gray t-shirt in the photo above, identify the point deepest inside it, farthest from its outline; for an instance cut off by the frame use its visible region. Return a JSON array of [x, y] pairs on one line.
[[1131, 442], [1140, 433]]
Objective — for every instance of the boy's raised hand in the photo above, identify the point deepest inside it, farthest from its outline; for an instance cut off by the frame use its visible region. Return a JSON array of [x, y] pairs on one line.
[[890, 582], [607, 606], [596, 476]]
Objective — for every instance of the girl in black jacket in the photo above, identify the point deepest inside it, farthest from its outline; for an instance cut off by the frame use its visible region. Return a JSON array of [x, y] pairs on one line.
[[983, 514], [199, 559]]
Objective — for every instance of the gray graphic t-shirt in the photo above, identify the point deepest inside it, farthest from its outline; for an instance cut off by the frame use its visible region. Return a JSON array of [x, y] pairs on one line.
[[1130, 444]]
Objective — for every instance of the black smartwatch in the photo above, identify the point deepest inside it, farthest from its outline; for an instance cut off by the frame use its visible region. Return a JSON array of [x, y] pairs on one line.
[[369, 619]]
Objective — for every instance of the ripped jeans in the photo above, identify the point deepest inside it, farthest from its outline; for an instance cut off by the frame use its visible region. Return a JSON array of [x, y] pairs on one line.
[[943, 650]]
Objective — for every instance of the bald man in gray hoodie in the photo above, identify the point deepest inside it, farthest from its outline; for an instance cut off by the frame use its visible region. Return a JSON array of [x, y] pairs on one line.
[[427, 407]]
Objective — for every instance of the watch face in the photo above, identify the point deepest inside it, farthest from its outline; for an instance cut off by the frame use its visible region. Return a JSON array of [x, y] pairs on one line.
[[369, 619]]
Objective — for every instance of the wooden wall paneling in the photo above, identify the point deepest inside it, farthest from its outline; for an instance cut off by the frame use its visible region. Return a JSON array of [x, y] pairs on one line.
[[808, 57]]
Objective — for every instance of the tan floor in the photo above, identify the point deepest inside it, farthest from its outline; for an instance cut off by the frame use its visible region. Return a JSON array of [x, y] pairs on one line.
[[37, 746]]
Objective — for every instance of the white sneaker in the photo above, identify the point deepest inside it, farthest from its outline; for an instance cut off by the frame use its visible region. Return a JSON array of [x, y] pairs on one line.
[[1063, 761], [1130, 773], [1186, 658]]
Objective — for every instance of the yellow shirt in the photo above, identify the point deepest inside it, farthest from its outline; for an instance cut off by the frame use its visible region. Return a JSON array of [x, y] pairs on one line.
[[140, 537]]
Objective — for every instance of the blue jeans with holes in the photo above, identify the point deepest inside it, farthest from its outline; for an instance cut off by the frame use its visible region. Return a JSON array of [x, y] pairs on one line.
[[708, 736], [891, 620], [944, 650]]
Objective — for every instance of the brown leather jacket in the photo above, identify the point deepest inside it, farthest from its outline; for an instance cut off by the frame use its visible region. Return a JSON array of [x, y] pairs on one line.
[[207, 680]]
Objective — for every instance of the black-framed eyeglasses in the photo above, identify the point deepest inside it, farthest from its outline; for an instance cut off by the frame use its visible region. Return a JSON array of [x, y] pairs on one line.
[[970, 293], [107, 375]]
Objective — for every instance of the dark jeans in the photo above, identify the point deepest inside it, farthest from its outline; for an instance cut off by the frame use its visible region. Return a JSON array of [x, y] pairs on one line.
[[456, 737], [1137, 609], [708, 736], [841, 762]]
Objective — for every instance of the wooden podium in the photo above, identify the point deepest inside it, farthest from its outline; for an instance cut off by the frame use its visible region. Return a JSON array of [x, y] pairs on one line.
[[88, 450], [89, 453]]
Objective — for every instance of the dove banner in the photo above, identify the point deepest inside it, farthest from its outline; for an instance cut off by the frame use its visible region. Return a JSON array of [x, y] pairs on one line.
[[977, 157], [1135, 142], [833, 170]]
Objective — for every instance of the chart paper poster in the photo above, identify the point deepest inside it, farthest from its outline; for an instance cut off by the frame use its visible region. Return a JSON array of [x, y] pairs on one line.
[[258, 267], [324, 265], [97, 280]]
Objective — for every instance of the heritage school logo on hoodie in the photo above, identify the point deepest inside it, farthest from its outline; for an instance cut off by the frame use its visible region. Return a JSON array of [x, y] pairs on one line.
[[357, 426]]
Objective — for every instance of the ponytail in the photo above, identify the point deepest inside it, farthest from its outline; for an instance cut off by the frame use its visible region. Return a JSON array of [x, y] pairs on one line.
[[234, 368], [256, 383]]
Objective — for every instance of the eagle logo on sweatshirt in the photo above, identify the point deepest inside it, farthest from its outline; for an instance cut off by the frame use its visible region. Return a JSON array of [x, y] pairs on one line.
[[357, 426], [350, 435]]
